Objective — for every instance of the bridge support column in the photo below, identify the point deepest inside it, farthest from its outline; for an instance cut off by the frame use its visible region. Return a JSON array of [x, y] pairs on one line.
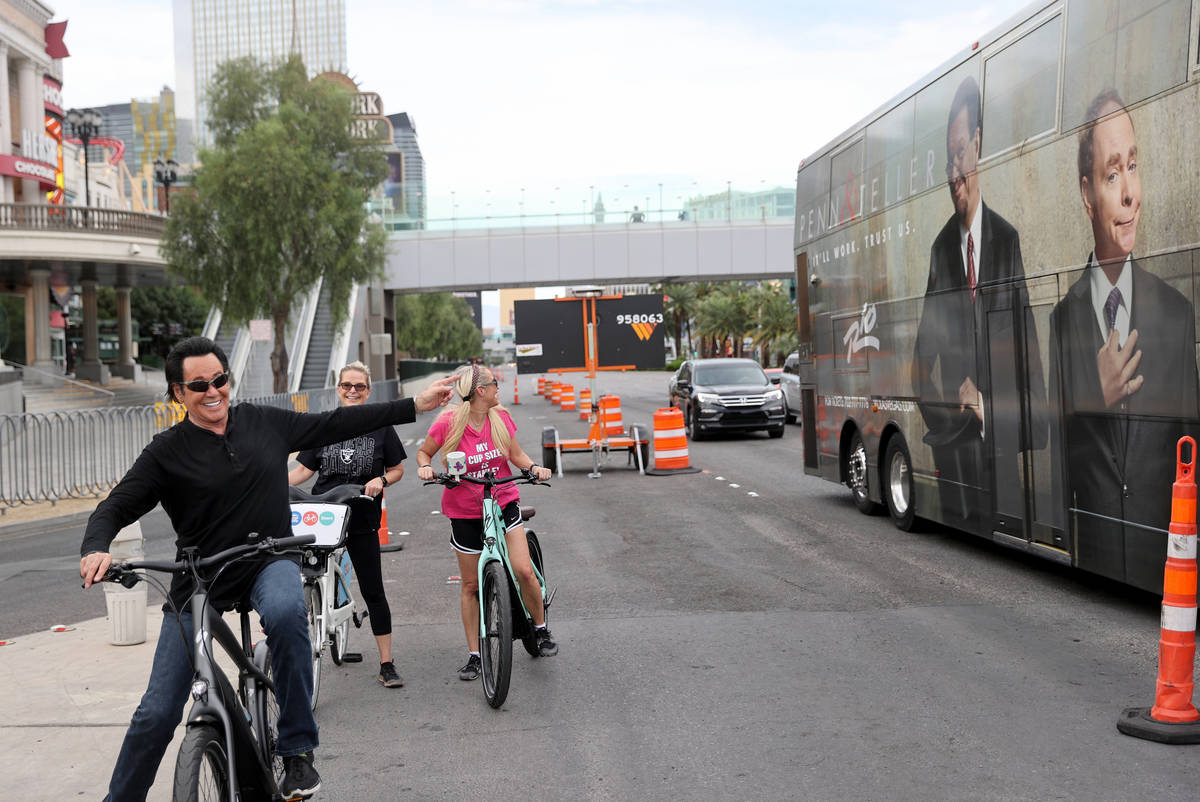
[[39, 309], [125, 367], [90, 367]]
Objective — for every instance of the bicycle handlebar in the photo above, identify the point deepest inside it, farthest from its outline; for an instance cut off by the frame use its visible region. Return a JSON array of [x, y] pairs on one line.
[[488, 480], [123, 572]]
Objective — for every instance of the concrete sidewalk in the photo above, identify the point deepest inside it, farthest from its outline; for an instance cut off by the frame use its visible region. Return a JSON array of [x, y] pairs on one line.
[[67, 699]]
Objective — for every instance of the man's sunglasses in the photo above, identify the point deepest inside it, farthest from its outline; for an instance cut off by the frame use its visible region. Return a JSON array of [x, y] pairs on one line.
[[347, 387], [201, 385]]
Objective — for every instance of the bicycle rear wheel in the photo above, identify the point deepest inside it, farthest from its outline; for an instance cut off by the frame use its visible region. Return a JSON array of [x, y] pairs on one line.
[[315, 608], [535, 555], [202, 769], [495, 648], [265, 713]]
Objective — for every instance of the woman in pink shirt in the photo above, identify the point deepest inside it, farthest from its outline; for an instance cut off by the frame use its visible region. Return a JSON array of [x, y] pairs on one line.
[[485, 432]]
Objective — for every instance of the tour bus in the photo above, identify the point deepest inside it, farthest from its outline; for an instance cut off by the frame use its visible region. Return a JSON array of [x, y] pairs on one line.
[[996, 276]]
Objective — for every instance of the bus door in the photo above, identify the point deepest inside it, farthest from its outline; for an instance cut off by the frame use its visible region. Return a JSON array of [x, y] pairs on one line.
[[1016, 415]]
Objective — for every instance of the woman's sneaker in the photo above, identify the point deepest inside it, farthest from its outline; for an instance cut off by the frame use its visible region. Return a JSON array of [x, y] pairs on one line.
[[545, 641], [471, 670], [388, 675]]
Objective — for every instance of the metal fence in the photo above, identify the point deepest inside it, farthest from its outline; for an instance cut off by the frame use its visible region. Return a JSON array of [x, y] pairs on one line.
[[82, 453]]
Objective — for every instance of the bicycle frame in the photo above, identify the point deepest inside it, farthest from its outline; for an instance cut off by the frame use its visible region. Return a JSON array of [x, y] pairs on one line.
[[495, 548], [333, 580], [208, 626]]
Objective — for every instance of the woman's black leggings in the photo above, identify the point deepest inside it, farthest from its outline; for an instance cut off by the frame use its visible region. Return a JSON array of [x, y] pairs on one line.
[[364, 554]]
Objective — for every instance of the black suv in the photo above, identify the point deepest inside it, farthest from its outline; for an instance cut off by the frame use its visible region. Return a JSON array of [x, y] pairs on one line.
[[726, 395]]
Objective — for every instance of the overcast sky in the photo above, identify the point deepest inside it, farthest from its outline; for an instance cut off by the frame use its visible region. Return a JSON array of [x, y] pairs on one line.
[[616, 95]]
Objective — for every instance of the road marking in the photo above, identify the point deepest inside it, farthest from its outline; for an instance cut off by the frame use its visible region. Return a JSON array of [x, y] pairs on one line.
[[720, 478], [751, 493], [731, 484]]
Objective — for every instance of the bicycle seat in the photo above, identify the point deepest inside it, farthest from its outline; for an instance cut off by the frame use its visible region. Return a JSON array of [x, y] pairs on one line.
[[335, 495], [528, 512]]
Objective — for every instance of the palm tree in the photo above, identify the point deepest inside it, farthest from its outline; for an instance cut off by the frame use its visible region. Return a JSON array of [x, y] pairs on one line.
[[776, 324], [679, 303]]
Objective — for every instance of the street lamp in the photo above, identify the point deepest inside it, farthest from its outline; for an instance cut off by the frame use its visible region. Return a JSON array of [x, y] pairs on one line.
[[166, 173], [85, 125]]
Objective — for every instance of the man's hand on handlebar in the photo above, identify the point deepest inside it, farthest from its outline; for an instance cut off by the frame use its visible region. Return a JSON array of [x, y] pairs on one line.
[[92, 567]]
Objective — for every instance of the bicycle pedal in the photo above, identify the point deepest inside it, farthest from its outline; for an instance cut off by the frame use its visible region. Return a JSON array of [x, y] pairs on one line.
[[352, 657], [358, 619]]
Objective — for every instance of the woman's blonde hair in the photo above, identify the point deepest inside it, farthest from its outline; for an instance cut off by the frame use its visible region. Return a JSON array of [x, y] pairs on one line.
[[469, 377], [360, 367]]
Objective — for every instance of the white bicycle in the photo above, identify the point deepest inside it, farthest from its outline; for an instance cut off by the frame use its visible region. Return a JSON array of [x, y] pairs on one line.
[[327, 573]]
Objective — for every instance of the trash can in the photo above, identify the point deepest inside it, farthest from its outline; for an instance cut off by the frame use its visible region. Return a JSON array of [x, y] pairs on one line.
[[126, 606]]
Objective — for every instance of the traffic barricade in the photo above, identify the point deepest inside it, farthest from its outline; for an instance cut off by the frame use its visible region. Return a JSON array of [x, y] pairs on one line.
[[1174, 719], [610, 415], [585, 403], [568, 398], [670, 444], [548, 389], [541, 385], [556, 394]]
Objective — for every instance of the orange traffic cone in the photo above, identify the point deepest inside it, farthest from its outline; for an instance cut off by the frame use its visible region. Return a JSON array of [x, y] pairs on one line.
[[516, 390], [384, 532], [1174, 719]]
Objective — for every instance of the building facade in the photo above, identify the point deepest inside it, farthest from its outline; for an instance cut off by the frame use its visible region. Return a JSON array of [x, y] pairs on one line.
[[210, 32], [738, 205], [405, 185], [31, 105], [147, 130]]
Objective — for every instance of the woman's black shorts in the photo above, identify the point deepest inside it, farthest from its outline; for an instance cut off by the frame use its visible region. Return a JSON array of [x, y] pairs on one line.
[[466, 534]]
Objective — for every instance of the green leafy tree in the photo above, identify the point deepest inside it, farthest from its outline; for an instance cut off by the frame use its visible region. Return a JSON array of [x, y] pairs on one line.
[[436, 325], [164, 315], [279, 201]]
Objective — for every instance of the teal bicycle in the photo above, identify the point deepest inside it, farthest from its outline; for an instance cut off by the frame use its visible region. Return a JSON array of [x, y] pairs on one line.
[[503, 616]]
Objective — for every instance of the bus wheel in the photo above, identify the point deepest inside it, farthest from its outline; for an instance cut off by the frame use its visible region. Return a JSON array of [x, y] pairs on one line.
[[856, 476], [898, 483]]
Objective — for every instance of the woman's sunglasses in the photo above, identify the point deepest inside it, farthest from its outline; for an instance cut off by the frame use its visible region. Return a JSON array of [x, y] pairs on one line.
[[492, 383], [201, 385], [347, 387]]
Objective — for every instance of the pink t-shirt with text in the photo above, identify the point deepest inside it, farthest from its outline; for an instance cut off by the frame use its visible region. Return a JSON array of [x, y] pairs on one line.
[[465, 501]]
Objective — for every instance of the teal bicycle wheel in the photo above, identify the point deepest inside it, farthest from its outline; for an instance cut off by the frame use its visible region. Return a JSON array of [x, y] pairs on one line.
[[495, 647]]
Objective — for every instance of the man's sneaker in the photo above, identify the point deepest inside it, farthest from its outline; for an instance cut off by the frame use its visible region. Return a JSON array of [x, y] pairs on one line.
[[300, 779], [388, 675], [471, 670], [545, 641]]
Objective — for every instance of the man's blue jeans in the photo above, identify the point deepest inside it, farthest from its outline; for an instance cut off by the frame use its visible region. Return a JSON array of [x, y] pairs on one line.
[[278, 596]]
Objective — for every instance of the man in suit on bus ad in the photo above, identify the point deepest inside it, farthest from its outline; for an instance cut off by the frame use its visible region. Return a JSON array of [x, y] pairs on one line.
[[972, 325], [1123, 358]]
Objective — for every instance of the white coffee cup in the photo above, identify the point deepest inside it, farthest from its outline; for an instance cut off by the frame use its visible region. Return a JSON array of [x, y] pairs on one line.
[[456, 463]]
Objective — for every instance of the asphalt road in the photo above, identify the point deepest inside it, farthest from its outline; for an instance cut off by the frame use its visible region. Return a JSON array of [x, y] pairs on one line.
[[741, 633]]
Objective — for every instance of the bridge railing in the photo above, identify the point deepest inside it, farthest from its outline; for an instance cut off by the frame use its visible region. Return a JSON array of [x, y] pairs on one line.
[[49, 217], [82, 453]]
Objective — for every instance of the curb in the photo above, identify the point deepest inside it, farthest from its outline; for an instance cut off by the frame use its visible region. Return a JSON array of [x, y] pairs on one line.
[[44, 526]]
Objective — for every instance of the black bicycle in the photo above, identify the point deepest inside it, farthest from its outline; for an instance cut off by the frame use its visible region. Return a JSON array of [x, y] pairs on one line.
[[228, 751]]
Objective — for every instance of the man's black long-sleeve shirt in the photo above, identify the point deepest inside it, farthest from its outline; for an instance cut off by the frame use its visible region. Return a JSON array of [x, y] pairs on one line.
[[217, 489]]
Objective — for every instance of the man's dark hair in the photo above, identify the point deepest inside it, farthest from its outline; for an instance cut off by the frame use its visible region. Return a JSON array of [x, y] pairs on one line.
[[1087, 137], [192, 346], [967, 97]]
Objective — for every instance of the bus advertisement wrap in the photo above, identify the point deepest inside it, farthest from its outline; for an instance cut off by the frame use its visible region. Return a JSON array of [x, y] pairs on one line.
[[1011, 250]]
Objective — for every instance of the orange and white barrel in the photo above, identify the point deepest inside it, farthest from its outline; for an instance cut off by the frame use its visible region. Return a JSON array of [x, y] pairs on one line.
[[541, 386], [585, 403], [556, 395], [547, 389], [568, 398], [610, 414], [670, 440]]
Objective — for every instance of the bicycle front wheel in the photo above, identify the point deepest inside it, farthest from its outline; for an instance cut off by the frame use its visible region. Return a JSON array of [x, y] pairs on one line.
[[315, 608], [495, 634], [202, 770]]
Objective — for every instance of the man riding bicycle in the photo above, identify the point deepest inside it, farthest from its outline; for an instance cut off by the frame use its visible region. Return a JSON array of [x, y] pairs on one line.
[[220, 475]]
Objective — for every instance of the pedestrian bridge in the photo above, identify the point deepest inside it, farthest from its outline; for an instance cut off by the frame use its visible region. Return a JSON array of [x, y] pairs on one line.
[[603, 253]]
